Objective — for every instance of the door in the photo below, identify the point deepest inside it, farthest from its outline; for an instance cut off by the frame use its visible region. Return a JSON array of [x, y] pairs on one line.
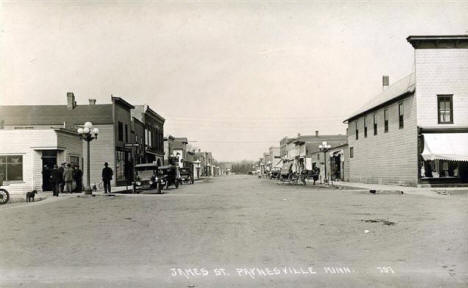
[[49, 159]]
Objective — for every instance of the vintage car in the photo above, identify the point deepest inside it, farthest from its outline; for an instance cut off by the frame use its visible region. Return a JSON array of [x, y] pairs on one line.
[[150, 176], [186, 175], [145, 177], [167, 176]]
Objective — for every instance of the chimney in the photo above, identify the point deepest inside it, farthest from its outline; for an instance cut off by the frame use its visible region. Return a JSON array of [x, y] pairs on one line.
[[71, 103], [316, 133], [298, 134], [385, 82], [92, 101]]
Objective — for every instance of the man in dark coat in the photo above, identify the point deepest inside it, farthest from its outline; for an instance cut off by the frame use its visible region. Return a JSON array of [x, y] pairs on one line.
[[56, 178], [78, 177], [62, 182], [107, 174]]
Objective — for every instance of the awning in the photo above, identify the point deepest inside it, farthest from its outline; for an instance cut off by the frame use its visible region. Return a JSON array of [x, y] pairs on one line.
[[44, 148], [445, 146]]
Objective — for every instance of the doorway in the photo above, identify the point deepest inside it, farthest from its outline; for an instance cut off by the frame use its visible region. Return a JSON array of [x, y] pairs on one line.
[[49, 159]]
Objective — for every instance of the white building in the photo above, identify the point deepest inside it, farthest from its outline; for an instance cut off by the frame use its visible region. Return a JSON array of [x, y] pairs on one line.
[[24, 153]]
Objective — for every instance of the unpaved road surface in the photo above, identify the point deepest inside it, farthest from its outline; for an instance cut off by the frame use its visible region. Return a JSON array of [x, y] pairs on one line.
[[238, 231]]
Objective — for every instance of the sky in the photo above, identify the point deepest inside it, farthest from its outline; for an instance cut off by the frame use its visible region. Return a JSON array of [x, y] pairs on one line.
[[233, 76]]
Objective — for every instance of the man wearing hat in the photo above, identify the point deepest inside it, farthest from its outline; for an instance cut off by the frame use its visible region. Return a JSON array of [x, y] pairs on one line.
[[107, 177]]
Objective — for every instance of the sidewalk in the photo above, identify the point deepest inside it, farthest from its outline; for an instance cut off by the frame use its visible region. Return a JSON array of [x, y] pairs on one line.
[[428, 191]]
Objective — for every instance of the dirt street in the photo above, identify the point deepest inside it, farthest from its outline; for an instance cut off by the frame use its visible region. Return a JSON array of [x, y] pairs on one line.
[[238, 231]]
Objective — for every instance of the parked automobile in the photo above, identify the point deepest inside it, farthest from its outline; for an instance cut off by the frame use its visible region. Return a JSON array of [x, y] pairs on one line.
[[145, 177], [186, 175], [167, 176]]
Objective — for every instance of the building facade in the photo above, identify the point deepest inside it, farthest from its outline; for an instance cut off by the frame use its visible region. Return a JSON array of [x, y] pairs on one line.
[[28, 156], [415, 131], [114, 144]]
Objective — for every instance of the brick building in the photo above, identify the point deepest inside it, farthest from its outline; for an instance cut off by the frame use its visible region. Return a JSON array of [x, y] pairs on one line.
[[415, 131], [149, 131]]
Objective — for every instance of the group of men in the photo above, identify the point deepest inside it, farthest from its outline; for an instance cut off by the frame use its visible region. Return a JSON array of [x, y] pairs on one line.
[[62, 178]]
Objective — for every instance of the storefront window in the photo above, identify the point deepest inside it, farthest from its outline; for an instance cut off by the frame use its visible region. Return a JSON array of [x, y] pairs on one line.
[[11, 167], [120, 166]]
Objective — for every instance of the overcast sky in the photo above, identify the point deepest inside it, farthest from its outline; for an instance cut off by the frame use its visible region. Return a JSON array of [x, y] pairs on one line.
[[236, 76]]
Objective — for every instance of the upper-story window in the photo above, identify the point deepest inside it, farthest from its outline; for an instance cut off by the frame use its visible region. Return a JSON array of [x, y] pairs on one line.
[[126, 133], [401, 120], [385, 116], [374, 117], [445, 109], [365, 127], [120, 127], [351, 152], [357, 131]]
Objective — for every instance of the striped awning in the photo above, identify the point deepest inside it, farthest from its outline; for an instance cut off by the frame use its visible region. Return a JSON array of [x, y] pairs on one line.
[[445, 146]]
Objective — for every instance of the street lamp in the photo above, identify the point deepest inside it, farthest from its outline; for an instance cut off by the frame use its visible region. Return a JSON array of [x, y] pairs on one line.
[[88, 133], [324, 147]]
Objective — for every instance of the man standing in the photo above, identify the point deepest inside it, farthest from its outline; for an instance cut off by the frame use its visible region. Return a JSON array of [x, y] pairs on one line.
[[68, 178], [56, 178], [61, 169], [78, 176], [107, 177]]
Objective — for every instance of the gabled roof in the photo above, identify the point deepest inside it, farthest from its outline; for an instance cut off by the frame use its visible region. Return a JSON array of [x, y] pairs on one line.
[[313, 138], [314, 147], [55, 114], [183, 140], [394, 92]]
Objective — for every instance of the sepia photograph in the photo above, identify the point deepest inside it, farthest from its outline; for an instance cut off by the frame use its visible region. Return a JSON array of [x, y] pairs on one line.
[[235, 143]]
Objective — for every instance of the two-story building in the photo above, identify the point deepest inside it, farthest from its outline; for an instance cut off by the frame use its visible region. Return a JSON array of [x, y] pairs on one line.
[[415, 131], [116, 139], [149, 134]]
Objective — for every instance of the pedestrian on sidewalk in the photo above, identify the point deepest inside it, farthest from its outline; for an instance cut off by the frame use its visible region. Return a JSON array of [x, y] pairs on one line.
[[62, 183], [68, 178], [56, 179], [107, 174], [78, 177], [315, 173]]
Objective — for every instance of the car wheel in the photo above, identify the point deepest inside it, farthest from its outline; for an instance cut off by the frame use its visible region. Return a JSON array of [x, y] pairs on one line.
[[4, 196]]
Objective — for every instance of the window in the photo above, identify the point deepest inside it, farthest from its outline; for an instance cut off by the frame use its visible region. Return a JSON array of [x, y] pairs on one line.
[[375, 124], [400, 115], [385, 115], [11, 167], [75, 160], [351, 152], [126, 133], [445, 109], [120, 126], [357, 131], [365, 128]]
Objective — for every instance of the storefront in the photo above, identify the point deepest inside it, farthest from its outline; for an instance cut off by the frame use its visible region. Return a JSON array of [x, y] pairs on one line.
[[28, 156], [444, 158]]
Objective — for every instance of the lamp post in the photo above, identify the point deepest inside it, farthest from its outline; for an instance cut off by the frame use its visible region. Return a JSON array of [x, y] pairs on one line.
[[324, 147], [88, 133]]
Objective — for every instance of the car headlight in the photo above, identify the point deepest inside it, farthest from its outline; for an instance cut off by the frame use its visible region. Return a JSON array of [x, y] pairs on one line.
[[138, 183], [151, 182]]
